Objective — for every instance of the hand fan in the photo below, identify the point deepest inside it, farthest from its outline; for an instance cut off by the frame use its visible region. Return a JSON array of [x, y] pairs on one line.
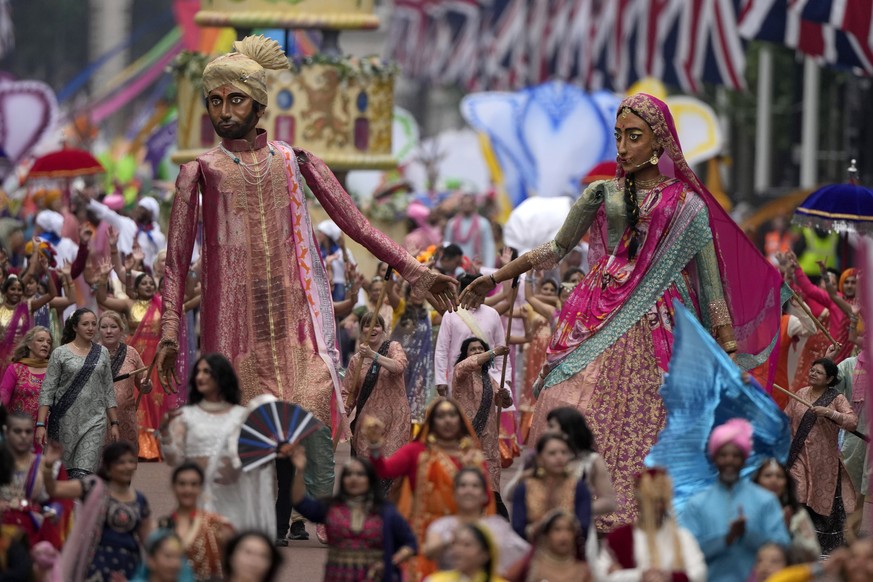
[[270, 425]]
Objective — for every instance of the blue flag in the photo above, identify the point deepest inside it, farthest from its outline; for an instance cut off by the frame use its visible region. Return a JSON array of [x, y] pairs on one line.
[[704, 389]]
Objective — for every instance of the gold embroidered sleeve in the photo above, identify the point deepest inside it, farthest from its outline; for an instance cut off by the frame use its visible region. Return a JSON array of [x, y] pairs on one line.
[[545, 256], [578, 221], [180, 246], [712, 298]]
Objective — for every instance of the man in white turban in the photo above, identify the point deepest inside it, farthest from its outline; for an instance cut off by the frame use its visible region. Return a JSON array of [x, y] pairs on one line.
[[266, 296], [48, 227], [140, 227]]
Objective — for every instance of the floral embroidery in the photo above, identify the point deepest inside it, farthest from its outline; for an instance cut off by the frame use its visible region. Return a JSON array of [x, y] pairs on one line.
[[545, 256]]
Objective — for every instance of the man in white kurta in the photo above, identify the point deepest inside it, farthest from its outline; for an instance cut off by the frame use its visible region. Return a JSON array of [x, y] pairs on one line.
[[483, 322], [143, 229]]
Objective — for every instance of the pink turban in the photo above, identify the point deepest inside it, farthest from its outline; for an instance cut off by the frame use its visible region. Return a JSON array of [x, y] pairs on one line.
[[114, 201], [736, 431], [418, 212]]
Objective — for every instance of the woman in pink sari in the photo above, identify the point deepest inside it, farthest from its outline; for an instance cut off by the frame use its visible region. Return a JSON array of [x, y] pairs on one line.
[[657, 236], [16, 312]]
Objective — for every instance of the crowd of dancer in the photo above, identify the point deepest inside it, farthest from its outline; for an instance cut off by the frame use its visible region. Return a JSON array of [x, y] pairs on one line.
[[121, 345]]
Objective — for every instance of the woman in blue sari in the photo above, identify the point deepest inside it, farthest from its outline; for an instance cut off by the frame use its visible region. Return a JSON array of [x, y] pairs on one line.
[[414, 332]]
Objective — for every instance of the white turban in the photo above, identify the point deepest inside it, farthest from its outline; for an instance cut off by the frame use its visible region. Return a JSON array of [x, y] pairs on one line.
[[329, 229], [50, 221], [151, 205]]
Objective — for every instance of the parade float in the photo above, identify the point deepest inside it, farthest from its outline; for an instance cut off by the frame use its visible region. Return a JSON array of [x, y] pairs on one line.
[[339, 107]]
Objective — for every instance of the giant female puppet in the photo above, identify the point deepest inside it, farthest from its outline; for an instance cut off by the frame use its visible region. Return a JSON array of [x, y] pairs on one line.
[[266, 297], [657, 237]]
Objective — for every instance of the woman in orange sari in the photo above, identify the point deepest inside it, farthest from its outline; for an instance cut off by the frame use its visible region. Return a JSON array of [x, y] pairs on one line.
[[144, 315], [428, 464]]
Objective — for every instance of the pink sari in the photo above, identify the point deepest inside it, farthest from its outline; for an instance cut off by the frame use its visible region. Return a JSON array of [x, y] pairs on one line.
[[19, 325]]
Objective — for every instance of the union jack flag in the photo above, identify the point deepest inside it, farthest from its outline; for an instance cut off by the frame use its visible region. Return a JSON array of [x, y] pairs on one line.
[[509, 44], [806, 26], [852, 16]]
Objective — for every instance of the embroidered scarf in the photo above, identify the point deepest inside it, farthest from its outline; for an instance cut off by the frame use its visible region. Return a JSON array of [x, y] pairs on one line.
[[66, 401], [369, 382], [34, 363], [755, 309], [806, 423], [118, 359]]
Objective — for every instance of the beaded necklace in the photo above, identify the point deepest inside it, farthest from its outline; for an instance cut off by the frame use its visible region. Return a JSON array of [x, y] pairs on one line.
[[252, 173]]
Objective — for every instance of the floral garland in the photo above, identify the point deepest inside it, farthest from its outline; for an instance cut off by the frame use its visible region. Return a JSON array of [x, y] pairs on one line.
[[190, 65], [350, 67]]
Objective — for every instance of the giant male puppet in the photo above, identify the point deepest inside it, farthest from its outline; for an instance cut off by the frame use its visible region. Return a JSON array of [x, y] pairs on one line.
[[266, 296]]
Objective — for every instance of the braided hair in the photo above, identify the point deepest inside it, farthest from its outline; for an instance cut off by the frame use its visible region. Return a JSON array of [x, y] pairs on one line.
[[632, 211]]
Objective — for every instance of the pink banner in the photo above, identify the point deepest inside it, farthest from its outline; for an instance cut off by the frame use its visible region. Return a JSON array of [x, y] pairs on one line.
[[109, 106]]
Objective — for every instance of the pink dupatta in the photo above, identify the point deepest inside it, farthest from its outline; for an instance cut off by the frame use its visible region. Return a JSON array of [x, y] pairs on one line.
[[613, 278], [79, 548], [751, 285]]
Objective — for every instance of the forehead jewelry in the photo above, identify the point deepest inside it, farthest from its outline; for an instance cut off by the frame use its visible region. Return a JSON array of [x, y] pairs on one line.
[[625, 111]]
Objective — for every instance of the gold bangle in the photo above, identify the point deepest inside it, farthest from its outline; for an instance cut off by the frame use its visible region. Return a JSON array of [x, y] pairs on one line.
[[729, 346]]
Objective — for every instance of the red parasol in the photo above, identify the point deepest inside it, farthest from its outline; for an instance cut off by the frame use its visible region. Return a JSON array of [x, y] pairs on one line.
[[65, 163]]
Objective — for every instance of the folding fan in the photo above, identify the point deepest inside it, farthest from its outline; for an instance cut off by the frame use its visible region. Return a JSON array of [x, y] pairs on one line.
[[270, 425]]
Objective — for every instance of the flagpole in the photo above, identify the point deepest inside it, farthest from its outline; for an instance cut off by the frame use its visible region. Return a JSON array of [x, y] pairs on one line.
[[809, 135], [764, 125]]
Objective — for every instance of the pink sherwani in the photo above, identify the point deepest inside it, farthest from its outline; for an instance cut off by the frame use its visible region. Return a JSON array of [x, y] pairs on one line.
[[453, 332], [266, 296]]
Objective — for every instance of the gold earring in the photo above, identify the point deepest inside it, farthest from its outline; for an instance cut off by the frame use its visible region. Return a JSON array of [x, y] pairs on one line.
[[540, 472], [654, 159], [431, 439]]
